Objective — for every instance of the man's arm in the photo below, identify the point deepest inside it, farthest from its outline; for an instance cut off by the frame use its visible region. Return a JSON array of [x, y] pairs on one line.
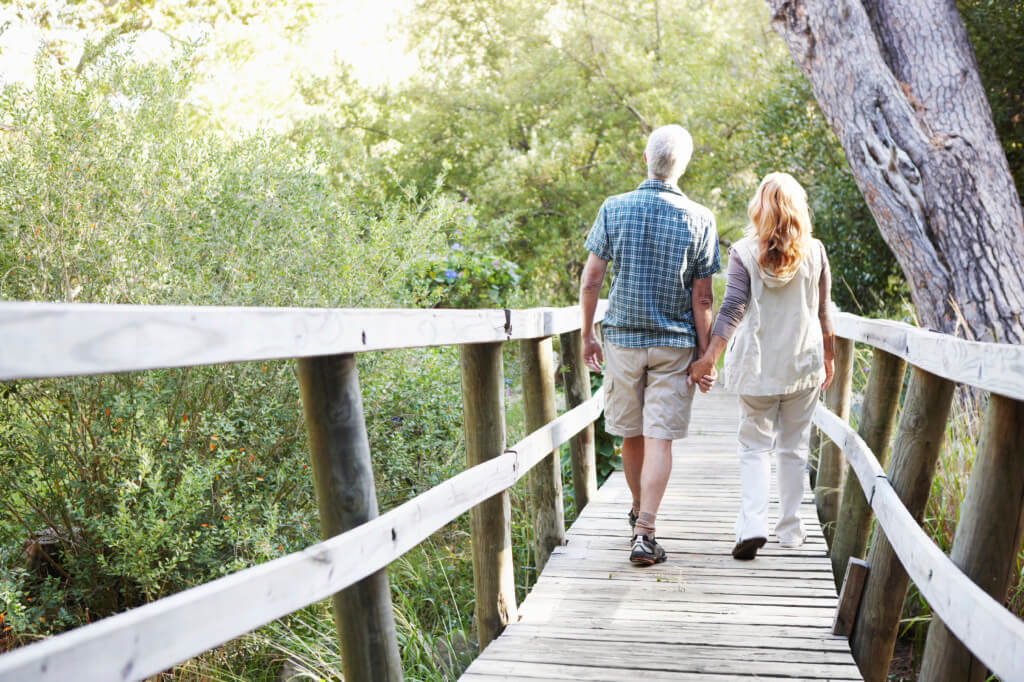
[[703, 316], [737, 294], [590, 291]]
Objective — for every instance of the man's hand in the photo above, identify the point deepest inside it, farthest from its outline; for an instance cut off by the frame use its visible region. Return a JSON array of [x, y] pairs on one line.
[[590, 289], [707, 381], [593, 356], [703, 373]]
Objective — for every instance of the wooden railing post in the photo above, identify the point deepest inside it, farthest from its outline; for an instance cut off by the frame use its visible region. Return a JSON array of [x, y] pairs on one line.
[[546, 477], [877, 419], [343, 477], [490, 521], [576, 378], [830, 460], [988, 534], [915, 454]]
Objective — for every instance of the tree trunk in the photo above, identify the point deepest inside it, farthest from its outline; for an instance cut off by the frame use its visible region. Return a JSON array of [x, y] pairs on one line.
[[899, 85]]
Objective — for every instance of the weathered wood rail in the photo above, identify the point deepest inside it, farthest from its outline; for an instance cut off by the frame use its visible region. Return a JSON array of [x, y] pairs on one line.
[[61, 340], [971, 632]]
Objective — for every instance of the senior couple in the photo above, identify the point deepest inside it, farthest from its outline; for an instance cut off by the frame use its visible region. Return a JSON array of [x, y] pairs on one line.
[[661, 343]]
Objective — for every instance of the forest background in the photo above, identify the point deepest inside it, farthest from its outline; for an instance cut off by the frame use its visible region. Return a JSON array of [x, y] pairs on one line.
[[178, 175]]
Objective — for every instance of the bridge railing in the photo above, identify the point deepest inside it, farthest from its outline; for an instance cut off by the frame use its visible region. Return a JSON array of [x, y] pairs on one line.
[[62, 340], [971, 630]]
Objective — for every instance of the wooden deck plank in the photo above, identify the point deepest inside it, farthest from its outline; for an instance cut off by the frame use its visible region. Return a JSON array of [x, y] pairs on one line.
[[492, 670], [702, 615], [634, 660], [772, 637]]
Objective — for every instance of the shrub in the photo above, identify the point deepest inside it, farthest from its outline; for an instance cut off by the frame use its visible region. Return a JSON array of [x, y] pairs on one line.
[[159, 480], [465, 278]]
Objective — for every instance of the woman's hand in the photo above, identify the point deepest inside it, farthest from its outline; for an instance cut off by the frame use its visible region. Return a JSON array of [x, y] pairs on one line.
[[703, 373], [830, 368], [828, 345]]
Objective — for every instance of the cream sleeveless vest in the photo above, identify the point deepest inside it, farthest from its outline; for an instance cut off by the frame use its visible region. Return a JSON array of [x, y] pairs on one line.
[[777, 347]]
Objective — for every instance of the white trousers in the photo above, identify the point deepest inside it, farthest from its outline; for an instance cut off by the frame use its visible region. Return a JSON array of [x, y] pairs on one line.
[[779, 423]]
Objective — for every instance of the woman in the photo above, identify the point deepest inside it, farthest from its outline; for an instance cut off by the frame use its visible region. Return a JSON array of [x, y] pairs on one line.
[[776, 312]]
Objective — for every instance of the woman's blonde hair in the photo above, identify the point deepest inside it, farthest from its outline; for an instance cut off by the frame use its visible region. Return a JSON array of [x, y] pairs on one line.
[[780, 218]]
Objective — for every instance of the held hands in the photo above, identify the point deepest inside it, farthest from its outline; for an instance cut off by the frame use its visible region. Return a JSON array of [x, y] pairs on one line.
[[592, 354], [702, 373]]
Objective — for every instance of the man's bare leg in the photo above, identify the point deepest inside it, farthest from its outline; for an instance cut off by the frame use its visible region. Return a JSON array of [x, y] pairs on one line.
[[633, 466], [657, 466]]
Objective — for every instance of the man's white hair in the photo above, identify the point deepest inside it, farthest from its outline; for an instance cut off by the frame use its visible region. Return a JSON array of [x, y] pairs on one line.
[[669, 149]]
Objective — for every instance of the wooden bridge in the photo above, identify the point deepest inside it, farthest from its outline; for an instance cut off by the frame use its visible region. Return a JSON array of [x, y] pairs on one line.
[[702, 615], [591, 615]]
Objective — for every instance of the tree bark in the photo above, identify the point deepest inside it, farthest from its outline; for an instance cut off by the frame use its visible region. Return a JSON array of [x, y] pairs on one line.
[[899, 85]]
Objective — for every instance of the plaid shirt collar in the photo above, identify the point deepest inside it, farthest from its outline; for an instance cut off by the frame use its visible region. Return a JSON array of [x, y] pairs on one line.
[[662, 186]]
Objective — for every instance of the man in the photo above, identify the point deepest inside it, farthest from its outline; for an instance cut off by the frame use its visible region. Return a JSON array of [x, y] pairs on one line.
[[664, 248]]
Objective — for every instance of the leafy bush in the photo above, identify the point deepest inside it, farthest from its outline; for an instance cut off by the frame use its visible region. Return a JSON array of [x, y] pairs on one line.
[[463, 277], [155, 481]]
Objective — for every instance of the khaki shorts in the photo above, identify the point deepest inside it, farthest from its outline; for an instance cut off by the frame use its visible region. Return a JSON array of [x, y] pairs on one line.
[[646, 392]]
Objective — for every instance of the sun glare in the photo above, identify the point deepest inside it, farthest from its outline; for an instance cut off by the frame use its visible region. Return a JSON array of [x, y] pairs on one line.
[[364, 33], [256, 85]]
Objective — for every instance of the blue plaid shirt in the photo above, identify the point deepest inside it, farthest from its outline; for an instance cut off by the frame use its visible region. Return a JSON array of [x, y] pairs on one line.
[[659, 242]]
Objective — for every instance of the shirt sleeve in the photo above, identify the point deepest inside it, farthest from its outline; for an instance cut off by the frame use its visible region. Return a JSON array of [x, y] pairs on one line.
[[825, 295], [708, 261], [597, 241], [737, 294]]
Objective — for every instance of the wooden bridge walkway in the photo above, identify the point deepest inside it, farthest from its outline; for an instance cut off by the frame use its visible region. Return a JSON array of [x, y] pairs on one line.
[[702, 615], [591, 615]]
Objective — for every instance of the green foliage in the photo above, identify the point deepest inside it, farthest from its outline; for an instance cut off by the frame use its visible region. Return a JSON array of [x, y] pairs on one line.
[[416, 401], [463, 277], [488, 120], [156, 481], [996, 29], [534, 163], [68, 25]]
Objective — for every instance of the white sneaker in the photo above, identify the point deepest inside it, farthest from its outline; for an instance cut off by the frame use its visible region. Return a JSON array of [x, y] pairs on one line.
[[792, 543]]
